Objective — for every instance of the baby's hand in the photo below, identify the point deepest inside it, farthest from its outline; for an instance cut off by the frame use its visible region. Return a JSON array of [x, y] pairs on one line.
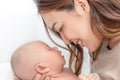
[[93, 76]]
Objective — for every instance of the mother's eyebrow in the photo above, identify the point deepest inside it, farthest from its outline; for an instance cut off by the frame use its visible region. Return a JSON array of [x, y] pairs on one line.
[[53, 26]]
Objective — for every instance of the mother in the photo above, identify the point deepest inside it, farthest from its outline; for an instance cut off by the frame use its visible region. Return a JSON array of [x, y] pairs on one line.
[[94, 24]]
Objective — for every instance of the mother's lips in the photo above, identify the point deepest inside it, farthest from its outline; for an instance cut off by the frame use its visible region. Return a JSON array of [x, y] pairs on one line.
[[78, 41], [75, 41]]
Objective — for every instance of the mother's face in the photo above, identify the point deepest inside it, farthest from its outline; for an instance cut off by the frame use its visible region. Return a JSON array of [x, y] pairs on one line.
[[73, 26]]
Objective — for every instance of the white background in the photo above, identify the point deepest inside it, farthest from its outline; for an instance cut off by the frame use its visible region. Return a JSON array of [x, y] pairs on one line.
[[21, 23]]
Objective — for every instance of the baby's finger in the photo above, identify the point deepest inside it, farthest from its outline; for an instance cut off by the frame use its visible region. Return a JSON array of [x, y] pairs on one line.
[[37, 77]]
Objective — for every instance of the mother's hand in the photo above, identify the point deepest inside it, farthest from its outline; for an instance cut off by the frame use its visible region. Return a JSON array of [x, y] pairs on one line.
[[38, 77], [92, 76], [83, 77]]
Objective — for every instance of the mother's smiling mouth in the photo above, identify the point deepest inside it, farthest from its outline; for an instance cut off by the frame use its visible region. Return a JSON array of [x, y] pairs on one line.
[[77, 41]]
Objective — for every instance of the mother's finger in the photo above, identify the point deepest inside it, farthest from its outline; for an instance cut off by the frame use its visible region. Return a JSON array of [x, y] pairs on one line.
[[47, 78], [37, 77], [83, 77]]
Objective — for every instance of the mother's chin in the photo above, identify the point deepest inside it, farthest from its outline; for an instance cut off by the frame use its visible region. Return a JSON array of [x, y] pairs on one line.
[[93, 47]]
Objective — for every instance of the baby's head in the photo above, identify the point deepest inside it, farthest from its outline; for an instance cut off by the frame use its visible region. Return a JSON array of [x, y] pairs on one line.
[[36, 57]]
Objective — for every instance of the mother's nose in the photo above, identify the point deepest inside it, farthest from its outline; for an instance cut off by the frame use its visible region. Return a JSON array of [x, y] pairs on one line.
[[65, 39], [55, 48]]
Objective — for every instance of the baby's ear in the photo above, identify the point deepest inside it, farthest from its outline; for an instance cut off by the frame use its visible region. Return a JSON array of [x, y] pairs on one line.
[[41, 68], [16, 77]]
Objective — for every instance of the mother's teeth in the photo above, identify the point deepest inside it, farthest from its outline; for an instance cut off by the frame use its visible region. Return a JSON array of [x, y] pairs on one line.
[[80, 43]]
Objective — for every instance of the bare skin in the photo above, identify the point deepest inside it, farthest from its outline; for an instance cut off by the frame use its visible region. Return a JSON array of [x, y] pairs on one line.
[[38, 57], [75, 26]]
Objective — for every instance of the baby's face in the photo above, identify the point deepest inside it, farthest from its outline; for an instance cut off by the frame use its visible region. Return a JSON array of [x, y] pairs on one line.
[[52, 55], [35, 53]]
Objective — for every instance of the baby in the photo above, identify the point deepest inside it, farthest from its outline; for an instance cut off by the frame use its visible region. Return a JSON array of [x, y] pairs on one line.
[[38, 58]]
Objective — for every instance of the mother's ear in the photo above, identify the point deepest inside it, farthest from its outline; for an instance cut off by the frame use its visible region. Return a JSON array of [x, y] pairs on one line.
[[81, 6], [42, 69]]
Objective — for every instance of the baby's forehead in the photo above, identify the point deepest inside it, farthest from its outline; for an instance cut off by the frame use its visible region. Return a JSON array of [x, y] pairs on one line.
[[44, 45], [36, 44], [33, 46]]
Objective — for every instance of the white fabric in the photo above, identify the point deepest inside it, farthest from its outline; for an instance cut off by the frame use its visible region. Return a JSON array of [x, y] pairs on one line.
[[6, 71]]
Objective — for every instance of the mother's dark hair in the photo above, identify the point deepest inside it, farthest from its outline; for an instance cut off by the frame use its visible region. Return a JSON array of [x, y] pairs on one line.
[[105, 19]]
